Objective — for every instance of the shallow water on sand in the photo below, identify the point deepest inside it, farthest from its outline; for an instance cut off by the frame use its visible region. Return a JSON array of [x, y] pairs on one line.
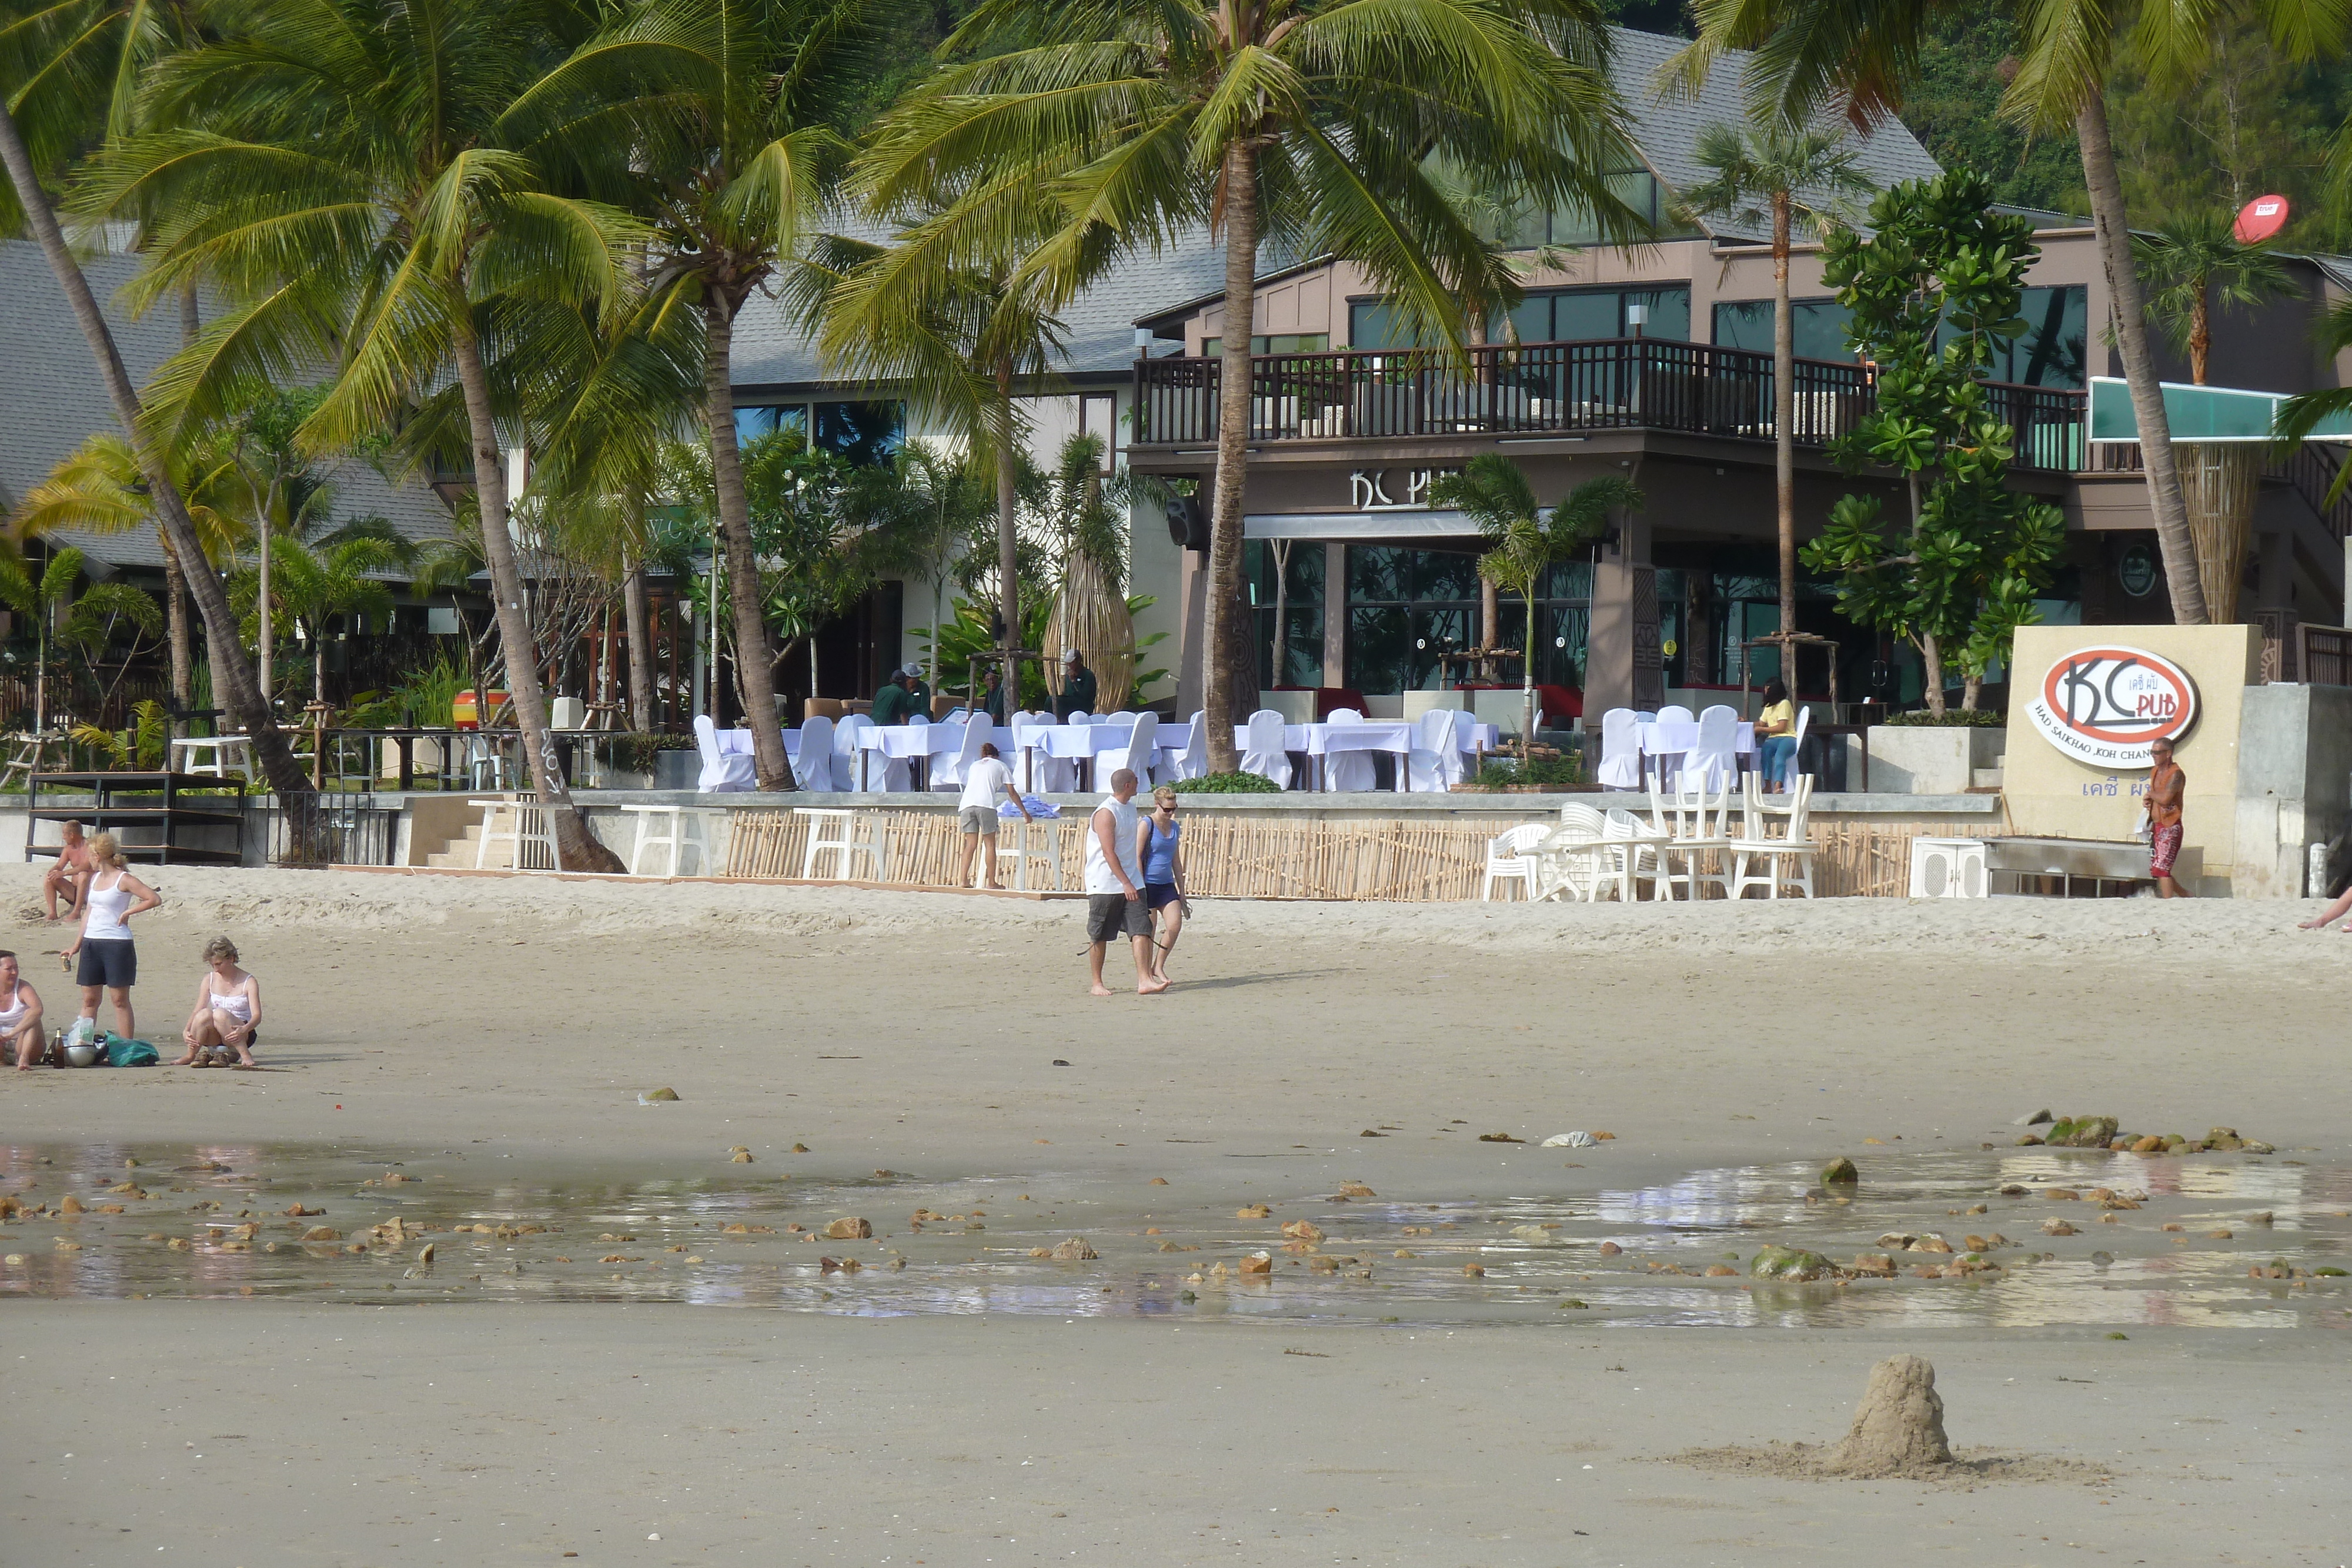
[[213, 1221]]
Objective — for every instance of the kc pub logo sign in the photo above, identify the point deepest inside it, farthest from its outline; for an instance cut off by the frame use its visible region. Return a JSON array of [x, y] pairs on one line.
[[2107, 705]]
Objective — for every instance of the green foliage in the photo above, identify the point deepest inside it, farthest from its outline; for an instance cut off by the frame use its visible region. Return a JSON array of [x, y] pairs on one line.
[[1542, 772], [143, 747], [1962, 576], [636, 751], [2196, 265], [1953, 106], [1951, 718], [1226, 784]]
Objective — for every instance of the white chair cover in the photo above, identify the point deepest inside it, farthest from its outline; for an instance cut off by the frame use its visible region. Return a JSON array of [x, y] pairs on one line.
[[813, 767], [1141, 750], [1621, 751], [1435, 763], [1264, 755], [1677, 736], [881, 773], [1043, 774], [1347, 771], [948, 772], [720, 772], [1193, 760], [1715, 759]]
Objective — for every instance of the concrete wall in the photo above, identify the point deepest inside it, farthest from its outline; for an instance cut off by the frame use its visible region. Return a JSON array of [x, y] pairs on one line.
[[1924, 760], [2295, 784]]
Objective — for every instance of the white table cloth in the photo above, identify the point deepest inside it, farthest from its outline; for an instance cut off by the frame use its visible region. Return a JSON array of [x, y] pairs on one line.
[[1395, 737]]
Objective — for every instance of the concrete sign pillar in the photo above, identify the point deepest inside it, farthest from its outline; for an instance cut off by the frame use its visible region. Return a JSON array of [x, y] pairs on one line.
[[1622, 663]]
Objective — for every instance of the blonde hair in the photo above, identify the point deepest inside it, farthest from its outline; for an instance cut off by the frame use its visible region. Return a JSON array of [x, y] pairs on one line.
[[1164, 792], [105, 850], [220, 947]]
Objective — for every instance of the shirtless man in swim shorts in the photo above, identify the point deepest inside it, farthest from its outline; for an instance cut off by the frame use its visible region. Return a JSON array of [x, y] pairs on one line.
[[71, 873]]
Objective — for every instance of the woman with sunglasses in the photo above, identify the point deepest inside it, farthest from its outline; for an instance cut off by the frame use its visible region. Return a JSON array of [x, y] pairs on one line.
[[1160, 846]]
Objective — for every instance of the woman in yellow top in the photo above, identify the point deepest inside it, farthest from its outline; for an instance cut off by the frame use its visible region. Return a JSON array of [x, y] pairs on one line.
[[1776, 738]]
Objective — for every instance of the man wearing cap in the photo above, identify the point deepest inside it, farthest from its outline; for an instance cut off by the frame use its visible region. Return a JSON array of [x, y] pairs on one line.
[[893, 702], [1077, 686], [918, 690]]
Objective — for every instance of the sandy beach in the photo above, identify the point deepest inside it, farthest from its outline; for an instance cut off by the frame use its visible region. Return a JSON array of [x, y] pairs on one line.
[[450, 1026]]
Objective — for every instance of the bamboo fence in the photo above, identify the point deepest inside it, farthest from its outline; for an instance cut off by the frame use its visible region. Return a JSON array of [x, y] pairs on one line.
[[1269, 857]]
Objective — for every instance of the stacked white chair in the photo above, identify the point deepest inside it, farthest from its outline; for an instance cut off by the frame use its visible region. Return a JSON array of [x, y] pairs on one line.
[[1511, 857], [1715, 761], [1641, 856], [1695, 822], [1576, 857], [1785, 857], [1141, 750], [1434, 763], [1265, 753], [721, 770], [814, 767], [947, 773], [1621, 751], [1347, 771]]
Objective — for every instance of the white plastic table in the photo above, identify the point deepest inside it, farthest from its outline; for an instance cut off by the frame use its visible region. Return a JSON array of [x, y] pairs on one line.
[[663, 829], [222, 752]]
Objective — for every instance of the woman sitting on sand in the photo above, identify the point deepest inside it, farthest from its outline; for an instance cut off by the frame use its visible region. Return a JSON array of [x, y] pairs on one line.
[[229, 1011]]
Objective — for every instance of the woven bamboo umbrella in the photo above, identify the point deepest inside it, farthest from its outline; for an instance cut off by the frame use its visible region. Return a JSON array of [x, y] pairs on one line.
[[1090, 615]]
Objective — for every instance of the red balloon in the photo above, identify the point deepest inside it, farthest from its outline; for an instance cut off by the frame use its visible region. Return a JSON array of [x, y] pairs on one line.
[[2260, 219]]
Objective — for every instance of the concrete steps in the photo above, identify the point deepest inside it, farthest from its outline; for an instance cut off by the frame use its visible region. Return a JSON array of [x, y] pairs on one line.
[[462, 851]]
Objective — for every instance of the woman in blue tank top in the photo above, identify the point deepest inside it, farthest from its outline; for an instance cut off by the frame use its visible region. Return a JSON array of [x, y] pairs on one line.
[[1159, 844]]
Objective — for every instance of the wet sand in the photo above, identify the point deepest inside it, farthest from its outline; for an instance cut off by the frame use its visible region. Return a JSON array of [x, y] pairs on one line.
[[500, 1021]]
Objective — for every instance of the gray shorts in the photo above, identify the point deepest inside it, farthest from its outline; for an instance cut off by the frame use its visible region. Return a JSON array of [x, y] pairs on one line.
[[981, 819], [1111, 914]]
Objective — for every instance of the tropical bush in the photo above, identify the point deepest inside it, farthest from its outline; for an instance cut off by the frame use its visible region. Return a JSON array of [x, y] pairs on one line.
[[1226, 784]]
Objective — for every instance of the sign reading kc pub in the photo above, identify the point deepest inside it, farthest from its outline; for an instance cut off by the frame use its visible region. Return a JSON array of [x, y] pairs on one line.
[[2107, 705]]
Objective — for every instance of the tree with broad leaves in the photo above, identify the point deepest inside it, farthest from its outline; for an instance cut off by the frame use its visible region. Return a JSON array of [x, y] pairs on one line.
[[1933, 292]]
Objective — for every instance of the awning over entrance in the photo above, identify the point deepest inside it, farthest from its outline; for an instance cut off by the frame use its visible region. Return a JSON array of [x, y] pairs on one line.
[[1356, 526]]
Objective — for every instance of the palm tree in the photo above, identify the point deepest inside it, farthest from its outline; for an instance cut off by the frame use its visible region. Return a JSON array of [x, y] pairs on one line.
[[1524, 540], [952, 326], [354, 180], [1861, 56], [38, 600], [728, 155], [1789, 177], [65, 93], [1329, 124], [337, 576], [2197, 263]]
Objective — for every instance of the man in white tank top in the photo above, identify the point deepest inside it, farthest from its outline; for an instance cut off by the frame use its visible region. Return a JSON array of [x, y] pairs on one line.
[[1115, 886], [20, 1017]]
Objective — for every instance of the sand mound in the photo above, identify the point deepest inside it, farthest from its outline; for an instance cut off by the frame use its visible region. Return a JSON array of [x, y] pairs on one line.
[[1966, 1470]]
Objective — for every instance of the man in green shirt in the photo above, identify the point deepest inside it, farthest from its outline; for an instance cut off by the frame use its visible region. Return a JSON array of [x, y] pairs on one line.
[[893, 703], [918, 690], [1077, 686]]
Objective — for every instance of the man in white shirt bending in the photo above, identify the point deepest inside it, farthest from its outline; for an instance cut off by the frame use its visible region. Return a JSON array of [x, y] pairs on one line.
[[1115, 886], [976, 810]]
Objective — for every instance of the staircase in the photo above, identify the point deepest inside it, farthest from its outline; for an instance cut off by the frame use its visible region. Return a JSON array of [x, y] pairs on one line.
[[461, 852]]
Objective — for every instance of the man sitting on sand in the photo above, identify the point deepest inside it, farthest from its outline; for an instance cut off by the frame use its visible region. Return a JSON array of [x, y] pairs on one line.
[[71, 873], [1114, 887], [20, 1017]]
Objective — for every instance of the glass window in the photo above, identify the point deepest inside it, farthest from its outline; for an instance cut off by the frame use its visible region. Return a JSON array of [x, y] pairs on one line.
[[862, 432], [1378, 574], [2054, 349], [1577, 317], [1377, 638], [1669, 313], [1431, 609], [751, 424], [1820, 327]]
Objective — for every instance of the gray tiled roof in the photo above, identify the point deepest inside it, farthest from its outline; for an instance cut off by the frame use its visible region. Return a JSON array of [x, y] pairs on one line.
[[51, 400], [1666, 128]]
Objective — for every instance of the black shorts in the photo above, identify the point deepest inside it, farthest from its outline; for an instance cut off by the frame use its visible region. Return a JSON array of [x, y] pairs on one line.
[[1159, 895], [108, 962], [1110, 915]]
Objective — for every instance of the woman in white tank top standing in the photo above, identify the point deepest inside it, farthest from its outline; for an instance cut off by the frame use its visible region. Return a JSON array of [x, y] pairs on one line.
[[108, 961]]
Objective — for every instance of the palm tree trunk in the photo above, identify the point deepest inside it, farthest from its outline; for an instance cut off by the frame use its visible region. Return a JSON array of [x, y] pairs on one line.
[[755, 669], [1008, 543], [2113, 225], [1280, 550], [232, 676], [1224, 696], [640, 640], [2201, 335], [578, 848], [176, 580], [1784, 427]]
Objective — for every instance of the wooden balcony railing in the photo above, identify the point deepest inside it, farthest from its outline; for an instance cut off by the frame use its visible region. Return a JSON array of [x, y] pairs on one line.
[[1536, 389]]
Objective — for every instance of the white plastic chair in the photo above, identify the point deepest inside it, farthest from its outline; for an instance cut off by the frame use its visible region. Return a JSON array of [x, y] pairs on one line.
[[1642, 857], [947, 773], [1621, 751], [1714, 760], [1347, 771], [1265, 754], [721, 771], [1511, 857], [1577, 856], [814, 768], [1142, 748], [1434, 763], [1790, 848]]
